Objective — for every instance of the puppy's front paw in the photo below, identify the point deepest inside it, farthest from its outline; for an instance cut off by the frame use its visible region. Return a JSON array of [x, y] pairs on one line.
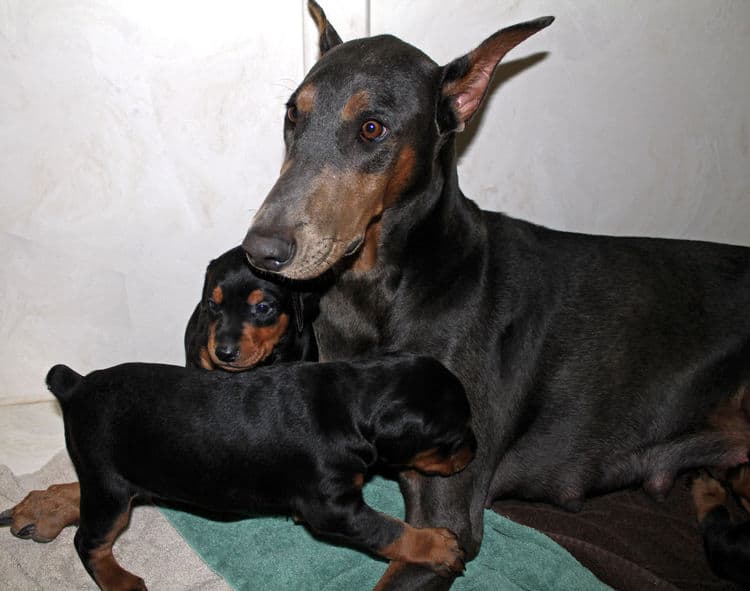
[[447, 557]]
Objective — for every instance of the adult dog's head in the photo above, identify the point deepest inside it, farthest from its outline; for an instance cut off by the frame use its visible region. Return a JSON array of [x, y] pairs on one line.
[[363, 133]]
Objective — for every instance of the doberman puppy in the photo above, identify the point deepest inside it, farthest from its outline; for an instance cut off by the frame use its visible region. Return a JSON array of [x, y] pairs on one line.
[[727, 544], [244, 320], [241, 321], [296, 438], [591, 362]]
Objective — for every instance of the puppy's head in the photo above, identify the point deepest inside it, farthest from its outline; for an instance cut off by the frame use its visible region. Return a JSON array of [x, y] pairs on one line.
[[245, 317]]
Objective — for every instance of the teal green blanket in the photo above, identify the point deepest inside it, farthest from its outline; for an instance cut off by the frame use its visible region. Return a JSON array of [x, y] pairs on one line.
[[272, 553]]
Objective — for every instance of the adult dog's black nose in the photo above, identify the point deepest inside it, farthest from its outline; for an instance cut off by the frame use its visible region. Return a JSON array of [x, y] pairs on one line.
[[271, 253], [227, 353]]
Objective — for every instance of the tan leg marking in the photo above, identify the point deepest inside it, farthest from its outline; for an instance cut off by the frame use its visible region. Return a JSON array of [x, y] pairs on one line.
[[47, 512], [432, 462], [434, 548], [109, 575]]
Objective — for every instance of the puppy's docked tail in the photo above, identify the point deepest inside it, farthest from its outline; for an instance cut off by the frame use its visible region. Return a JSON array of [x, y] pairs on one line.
[[61, 380]]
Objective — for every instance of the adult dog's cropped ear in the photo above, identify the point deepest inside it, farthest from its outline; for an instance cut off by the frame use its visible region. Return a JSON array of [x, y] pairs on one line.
[[465, 80], [328, 36]]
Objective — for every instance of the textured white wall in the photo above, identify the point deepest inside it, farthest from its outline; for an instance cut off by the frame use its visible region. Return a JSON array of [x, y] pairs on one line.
[[636, 121], [136, 137]]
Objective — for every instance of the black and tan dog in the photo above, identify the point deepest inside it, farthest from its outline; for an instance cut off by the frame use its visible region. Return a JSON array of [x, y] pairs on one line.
[[243, 320], [592, 363], [297, 438]]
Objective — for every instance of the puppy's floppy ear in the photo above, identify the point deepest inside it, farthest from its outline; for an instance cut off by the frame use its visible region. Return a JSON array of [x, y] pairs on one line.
[[204, 291], [465, 80], [328, 37], [207, 281]]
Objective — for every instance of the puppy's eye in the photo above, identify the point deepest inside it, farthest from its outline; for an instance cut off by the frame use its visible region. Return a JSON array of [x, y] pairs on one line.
[[291, 114], [212, 305], [263, 308], [373, 130]]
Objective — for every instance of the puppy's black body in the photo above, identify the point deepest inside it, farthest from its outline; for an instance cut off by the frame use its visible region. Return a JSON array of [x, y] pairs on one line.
[[295, 438], [591, 362], [244, 320]]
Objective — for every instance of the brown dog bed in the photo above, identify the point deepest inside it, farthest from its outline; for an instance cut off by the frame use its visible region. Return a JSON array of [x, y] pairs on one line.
[[628, 540]]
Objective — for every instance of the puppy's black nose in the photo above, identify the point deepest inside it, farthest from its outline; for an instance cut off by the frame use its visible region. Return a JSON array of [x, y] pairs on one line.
[[227, 353], [269, 252]]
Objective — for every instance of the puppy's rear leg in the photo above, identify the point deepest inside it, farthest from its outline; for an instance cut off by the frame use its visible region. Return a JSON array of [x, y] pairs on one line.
[[42, 514], [104, 515]]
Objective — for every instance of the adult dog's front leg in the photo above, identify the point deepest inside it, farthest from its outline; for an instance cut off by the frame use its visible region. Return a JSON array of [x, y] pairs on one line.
[[434, 501], [43, 514]]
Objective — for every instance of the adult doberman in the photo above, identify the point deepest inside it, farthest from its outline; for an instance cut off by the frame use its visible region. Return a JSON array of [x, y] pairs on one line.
[[591, 362]]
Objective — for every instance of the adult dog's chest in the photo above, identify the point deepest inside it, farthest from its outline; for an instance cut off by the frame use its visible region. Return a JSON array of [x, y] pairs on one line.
[[355, 319]]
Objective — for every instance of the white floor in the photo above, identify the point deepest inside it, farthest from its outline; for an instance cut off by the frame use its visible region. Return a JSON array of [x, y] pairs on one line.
[[30, 434]]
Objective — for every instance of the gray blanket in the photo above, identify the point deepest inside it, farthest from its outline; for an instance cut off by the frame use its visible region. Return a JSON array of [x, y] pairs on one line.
[[150, 547]]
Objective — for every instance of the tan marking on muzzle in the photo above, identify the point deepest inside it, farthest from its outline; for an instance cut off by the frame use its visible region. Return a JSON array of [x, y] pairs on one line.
[[341, 207], [256, 343], [205, 359]]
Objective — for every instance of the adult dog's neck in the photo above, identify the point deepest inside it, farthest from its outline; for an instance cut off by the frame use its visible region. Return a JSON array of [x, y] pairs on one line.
[[430, 221]]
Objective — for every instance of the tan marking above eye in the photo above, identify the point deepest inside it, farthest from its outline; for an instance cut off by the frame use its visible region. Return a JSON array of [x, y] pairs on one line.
[[217, 295], [256, 297], [305, 98], [356, 104]]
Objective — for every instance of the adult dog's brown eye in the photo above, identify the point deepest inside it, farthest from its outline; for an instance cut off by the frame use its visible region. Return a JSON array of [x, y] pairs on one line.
[[373, 131], [291, 113]]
